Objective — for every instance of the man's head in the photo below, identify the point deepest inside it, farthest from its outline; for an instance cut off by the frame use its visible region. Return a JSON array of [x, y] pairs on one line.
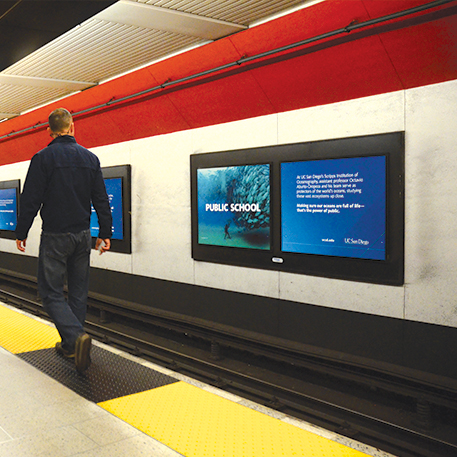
[[60, 123]]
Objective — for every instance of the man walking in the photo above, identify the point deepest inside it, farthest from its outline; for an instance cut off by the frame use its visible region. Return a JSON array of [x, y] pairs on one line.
[[62, 181]]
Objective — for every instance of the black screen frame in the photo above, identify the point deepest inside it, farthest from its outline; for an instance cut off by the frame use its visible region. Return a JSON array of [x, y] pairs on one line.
[[389, 271], [124, 172], [11, 184]]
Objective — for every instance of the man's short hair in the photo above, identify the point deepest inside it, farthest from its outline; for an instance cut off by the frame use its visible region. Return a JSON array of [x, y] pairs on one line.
[[60, 120]]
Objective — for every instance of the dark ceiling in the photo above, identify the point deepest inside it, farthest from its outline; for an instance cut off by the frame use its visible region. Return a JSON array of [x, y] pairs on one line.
[[26, 25]]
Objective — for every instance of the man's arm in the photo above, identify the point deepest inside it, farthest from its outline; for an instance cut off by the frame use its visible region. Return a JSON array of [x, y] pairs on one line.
[[100, 201], [31, 199]]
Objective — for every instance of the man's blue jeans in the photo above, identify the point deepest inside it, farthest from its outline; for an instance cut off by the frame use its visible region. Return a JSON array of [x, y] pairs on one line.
[[65, 254]]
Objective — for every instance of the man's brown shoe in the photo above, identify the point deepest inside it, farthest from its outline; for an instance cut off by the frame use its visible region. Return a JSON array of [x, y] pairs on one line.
[[60, 350], [82, 352]]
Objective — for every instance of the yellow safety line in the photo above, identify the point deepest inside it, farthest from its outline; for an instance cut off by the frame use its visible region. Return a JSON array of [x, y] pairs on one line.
[[19, 333], [197, 423]]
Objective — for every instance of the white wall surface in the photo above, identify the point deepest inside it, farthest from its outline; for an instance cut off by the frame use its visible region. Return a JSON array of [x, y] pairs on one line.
[[431, 204], [161, 223]]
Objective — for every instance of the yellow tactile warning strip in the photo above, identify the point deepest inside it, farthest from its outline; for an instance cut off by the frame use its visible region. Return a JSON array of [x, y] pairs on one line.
[[19, 333], [190, 420], [197, 423]]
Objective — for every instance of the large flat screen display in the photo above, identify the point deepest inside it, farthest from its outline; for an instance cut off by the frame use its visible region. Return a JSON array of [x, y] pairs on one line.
[[234, 206], [118, 187], [9, 204], [335, 207], [332, 208]]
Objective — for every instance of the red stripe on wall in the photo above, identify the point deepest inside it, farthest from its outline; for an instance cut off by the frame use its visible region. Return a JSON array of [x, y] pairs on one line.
[[405, 53]]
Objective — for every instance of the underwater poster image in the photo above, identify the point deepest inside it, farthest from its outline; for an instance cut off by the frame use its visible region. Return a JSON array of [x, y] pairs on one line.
[[234, 206]]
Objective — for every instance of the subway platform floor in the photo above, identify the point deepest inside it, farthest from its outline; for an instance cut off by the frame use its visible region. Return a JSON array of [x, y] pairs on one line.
[[124, 405]]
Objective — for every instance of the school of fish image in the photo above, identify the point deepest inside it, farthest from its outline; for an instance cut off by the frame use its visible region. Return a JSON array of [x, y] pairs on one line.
[[234, 206]]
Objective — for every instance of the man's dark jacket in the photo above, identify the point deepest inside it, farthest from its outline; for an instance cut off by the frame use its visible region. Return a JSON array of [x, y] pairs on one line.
[[63, 179]]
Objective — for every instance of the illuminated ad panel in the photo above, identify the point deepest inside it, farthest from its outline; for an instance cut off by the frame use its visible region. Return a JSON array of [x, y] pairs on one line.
[[114, 191], [234, 206], [335, 207], [8, 209]]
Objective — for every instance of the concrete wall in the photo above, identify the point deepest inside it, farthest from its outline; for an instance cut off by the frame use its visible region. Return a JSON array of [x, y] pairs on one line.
[[161, 221]]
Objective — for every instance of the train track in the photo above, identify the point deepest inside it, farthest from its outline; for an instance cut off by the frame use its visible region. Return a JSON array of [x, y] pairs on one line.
[[399, 416]]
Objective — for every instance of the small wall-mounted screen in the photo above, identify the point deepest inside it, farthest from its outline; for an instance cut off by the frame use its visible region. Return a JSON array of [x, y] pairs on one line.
[[118, 183], [234, 206], [335, 207], [114, 191], [9, 207]]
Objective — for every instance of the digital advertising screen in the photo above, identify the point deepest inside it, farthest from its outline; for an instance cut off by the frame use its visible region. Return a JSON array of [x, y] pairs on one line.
[[335, 207], [234, 206], [114, 191], [8, 209], [332, 208]]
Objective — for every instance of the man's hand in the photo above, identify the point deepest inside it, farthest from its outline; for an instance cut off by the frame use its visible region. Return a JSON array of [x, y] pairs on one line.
[[102, 245], [21, 244]]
